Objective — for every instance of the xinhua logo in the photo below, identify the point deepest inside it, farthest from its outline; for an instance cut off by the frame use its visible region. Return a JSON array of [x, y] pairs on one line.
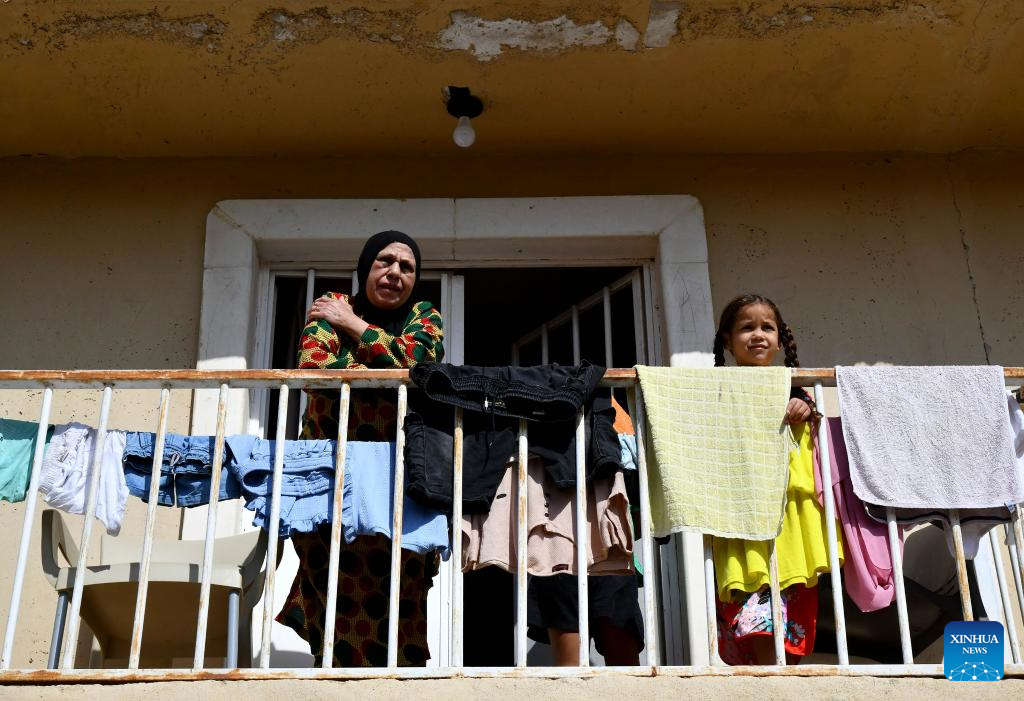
[[973, 651]]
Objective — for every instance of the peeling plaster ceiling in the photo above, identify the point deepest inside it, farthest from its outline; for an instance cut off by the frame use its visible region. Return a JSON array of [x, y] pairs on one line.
[[218, 78]]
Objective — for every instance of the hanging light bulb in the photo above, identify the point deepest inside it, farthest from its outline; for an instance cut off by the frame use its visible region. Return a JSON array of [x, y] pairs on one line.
[[464, 106], [464, 134]]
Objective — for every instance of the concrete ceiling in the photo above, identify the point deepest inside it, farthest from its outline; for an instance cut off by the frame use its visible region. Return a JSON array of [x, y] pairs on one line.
[[284, 77]]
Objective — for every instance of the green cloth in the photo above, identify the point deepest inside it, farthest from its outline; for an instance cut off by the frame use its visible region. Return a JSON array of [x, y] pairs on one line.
[[721, 453], [17, 445]]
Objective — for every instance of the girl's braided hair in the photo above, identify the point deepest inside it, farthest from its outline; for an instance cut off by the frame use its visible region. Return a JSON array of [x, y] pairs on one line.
[[728, 318]]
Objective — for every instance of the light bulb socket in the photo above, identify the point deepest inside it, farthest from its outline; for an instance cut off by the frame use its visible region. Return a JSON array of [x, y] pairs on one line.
[[462, 103]]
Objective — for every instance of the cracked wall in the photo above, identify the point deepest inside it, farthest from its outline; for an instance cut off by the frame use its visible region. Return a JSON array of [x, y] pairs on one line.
[[306, 78], [484, 33], [284, 28], [203, 31]]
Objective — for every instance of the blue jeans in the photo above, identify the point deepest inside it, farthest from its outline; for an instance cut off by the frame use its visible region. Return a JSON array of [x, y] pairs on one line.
[[184, 473]]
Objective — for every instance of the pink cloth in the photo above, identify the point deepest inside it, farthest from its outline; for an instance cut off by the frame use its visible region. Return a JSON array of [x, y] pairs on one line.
[[489, 539], [867, 566]]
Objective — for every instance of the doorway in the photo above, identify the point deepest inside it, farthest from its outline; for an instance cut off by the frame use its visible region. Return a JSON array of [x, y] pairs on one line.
[[493, 316], [248, 240]]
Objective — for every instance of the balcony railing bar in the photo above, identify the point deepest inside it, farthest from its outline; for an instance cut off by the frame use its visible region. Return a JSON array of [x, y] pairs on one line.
[[582, 537], [147, 540], [273, 526], [30, 515], [522, 538], [338, 496], [829, 504], [216, 471], [92, 497], [636, 409], [396, 528]]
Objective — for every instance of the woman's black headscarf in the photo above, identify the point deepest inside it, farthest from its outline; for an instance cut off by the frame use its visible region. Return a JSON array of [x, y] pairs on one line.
[[391, 320]]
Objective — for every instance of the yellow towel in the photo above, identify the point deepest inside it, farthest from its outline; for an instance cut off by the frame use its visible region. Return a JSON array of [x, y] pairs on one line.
[[720, 449], [743, 564]]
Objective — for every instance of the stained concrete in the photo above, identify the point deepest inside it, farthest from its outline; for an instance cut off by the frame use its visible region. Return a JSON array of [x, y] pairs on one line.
[[669, 689], [207, 78]]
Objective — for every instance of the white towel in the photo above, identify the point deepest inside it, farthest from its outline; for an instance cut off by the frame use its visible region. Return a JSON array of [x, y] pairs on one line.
[[929, 437]]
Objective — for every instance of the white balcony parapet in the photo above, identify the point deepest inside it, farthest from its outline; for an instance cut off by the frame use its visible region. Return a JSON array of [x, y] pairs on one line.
[[397, 380]]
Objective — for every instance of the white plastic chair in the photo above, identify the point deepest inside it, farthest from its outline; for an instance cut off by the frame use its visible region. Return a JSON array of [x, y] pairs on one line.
[[110, 588]]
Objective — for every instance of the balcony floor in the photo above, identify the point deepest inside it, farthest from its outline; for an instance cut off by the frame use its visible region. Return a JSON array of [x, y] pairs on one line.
[[668, 688]]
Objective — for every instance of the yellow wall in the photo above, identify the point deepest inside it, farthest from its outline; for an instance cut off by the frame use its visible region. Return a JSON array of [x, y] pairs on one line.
[[868, 255], [906, 259]]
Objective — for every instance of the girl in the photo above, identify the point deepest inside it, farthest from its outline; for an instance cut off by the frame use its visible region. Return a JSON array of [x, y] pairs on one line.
[[751, 329]]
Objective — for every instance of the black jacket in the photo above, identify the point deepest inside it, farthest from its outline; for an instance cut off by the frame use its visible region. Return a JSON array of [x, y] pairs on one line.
[[493, 400]]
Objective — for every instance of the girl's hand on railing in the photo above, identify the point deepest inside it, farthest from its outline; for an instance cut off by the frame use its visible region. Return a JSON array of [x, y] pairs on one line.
[[797, 411]]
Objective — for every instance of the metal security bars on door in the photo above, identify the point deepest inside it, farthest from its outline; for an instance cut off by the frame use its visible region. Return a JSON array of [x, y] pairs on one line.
[[631, 284], [345, 381]]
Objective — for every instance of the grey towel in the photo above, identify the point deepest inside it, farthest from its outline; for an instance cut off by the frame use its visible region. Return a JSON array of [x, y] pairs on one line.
[[975, 522], [929, 437]]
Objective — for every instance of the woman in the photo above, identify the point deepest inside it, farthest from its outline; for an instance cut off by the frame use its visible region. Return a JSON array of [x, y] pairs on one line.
[[381, 327]]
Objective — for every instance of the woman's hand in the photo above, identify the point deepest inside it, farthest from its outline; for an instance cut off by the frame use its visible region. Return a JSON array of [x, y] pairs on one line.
[[339, 314], [797, 411]]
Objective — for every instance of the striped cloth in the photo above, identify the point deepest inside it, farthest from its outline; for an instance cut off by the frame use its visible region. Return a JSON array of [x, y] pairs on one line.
[[720, 449]]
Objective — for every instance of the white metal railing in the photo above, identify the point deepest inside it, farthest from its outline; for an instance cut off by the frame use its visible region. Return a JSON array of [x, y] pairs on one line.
[[396, 380]]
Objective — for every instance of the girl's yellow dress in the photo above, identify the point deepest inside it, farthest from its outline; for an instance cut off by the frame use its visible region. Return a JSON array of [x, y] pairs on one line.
[[741, 566]]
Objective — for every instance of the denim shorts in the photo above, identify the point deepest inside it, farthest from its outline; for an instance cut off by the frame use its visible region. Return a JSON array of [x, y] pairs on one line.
[[307, 480], [184, 473]]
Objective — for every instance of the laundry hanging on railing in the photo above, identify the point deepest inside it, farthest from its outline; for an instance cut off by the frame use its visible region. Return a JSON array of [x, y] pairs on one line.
[[867, 569], [307, 480], [623, 426], [801, 547], [185, 479], [627, 452], [17, 447], [925, 440], [184, 472], [720, 452], [64, 478], [742, 567], [493, 399], [489, 539], [307, 490]]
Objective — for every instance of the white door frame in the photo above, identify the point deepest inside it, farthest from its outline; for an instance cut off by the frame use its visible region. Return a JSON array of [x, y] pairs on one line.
[[547, 231], [243, 236]]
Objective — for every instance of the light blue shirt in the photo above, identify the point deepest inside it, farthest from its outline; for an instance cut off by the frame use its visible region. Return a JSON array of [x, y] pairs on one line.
[[367, 501], [307, 490]]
